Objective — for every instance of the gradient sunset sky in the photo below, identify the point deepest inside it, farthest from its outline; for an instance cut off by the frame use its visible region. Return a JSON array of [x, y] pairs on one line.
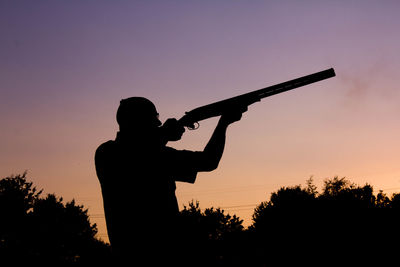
[[65, 65]]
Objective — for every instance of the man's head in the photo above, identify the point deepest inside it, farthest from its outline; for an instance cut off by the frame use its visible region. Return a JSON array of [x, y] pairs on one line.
[[137, 113]]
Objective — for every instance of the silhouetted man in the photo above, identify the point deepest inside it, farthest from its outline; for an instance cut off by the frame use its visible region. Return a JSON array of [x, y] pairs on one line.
[[137, 173]]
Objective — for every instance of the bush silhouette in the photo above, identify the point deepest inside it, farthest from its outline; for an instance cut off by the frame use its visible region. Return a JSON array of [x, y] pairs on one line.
[[45, 230], [210, 236]]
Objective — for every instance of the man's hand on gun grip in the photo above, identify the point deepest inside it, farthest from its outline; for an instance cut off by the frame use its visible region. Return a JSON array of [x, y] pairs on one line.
[[172, 130]]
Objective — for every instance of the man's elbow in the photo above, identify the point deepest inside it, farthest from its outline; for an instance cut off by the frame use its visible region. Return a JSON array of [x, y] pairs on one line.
[[209, 166]]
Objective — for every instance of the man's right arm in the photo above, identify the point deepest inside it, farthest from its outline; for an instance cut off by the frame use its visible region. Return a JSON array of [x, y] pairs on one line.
[[212, 153]]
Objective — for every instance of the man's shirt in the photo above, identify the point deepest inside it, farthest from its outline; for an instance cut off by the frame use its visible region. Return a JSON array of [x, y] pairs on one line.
[[138, 185]]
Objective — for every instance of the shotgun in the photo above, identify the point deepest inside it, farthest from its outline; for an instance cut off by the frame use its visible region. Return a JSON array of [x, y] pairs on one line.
[[191, 118]]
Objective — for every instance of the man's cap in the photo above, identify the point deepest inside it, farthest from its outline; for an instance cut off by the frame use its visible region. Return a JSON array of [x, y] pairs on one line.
[[135, 109]]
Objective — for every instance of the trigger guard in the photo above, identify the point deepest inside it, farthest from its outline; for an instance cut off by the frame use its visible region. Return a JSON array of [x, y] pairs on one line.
[[195, 126]]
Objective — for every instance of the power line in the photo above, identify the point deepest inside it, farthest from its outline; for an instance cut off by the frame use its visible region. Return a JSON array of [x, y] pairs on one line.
[[239, 206]]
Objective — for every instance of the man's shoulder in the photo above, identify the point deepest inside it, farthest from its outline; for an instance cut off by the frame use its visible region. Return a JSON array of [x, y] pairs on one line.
[[105, 147]]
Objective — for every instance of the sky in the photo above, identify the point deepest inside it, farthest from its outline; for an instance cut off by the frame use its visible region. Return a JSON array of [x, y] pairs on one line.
[[65, 65]]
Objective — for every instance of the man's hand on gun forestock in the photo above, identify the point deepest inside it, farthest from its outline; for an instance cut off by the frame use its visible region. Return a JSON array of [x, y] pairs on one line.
[[232, 115]]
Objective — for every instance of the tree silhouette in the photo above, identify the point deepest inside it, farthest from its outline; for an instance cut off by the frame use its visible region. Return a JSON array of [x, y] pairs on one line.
[[17, 198], [211, 236], [45, 230], [344, 217]]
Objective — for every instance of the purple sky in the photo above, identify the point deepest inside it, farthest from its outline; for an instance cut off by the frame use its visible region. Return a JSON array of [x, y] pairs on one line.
[[64, 66]]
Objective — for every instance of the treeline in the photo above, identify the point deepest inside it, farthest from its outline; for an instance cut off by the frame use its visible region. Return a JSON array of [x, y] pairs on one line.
[[296, 225], [343, 224]]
